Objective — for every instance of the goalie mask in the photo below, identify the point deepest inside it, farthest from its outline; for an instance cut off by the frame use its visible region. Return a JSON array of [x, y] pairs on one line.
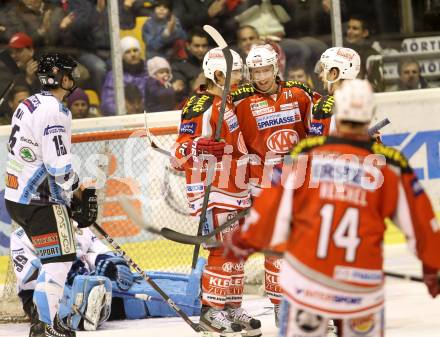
[[346, 60], [354, 101], [214, 60], [262, 63]]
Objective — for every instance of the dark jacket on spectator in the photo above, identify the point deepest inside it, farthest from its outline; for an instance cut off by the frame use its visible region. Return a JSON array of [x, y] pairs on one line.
[[136, 75], [187, 70], [157, 44], [158, 97]]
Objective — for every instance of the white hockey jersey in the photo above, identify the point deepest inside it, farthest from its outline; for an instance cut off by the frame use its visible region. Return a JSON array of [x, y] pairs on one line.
[[27, 263], [39, 168]]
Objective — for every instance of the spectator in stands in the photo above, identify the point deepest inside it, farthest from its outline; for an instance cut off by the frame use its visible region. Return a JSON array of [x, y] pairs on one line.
[[88, 31], [40, 20], [9, 23], [269, 24], [17, 95], [128, 10], [357, 38], [410, 77], [134, 101], [162, 30], [78, 104], [247, 36], [188, 69], [160, 93], [18, 63], [134, 73], [299, 73]]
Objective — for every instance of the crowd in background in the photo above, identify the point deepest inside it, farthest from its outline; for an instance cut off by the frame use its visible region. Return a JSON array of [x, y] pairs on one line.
[[164, 44]]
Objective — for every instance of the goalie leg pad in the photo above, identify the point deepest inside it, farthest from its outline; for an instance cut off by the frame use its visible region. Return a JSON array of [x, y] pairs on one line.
[[89, 296], [49, 289]]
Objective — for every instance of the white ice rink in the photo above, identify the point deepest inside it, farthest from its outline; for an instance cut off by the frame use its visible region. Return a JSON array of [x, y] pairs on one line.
[[410, 312]]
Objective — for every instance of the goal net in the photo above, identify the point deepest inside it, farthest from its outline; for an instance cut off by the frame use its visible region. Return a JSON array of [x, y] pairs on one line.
[[122, 162]]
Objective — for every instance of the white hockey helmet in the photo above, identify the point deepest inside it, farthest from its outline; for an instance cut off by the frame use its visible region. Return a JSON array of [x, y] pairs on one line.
[[346, 60], [262, 55], [354, 101], [214, 60]]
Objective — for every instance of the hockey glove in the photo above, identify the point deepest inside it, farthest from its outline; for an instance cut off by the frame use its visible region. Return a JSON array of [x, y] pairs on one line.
[[116, 269], [205, 146], [78, 268], [85, 208], [431, 277]]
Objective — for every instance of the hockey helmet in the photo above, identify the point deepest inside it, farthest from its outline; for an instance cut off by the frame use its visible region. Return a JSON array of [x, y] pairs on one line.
[[214, 60], [262, 55], [354, 101], [52, 67], [346, 60]]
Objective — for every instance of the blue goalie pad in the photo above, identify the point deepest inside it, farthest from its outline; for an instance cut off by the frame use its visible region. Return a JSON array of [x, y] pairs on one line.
[[183, 289], [89, 296]]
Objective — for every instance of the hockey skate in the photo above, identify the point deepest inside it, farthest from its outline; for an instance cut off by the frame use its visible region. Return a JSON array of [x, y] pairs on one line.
[[216, 320], [276, 309], [95, 303], [251, 325], [58, 330], [37, 328]]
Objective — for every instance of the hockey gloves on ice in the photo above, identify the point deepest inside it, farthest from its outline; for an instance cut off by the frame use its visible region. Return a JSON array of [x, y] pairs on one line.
[[85, 209], [116, 269], [78, 268], [206, 146], [431, 277]]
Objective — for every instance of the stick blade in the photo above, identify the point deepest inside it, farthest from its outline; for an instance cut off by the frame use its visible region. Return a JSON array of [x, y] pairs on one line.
[[215, 35]]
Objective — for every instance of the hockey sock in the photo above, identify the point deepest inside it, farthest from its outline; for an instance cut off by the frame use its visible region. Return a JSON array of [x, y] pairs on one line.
[[271, 284]]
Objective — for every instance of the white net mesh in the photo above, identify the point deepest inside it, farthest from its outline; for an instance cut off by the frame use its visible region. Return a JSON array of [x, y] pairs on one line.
[[123, 162]]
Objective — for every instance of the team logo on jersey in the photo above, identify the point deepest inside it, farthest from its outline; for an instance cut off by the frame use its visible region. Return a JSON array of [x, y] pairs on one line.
[[11, 181], [188, 128], [27, 154], [278, 118], [232, 123], [54, 129], [259, 105], [32, 103], [362, 325], [241, 145], [316, 129], [282, 141]]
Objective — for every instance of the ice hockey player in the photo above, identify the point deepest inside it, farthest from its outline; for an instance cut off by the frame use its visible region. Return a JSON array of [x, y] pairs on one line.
[[331, 212], [40, 181], [222, 279], [336, 65], [274, 116], [95, 291]]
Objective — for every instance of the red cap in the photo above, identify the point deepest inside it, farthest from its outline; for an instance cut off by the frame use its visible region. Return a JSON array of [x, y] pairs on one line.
[[20, 40]]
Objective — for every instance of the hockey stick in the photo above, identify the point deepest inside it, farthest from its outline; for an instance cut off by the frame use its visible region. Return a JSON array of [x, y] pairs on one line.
[[153, 145], [147, 298], [215, 35], [199, 239], [403, 276], [6, 92], [375, 128], [171, 234], [195, 326]]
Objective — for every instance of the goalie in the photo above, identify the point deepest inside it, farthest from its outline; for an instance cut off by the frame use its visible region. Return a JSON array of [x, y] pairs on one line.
[[90, 278]]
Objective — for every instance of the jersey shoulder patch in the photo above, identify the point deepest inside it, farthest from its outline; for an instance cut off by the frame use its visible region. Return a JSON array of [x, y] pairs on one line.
[[392, 156], [196, 105], [324, 107], [31, 103], [242, 92], [307, 144], [298, 84]]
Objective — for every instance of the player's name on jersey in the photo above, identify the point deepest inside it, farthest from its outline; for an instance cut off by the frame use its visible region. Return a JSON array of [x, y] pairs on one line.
[[339, 192]]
